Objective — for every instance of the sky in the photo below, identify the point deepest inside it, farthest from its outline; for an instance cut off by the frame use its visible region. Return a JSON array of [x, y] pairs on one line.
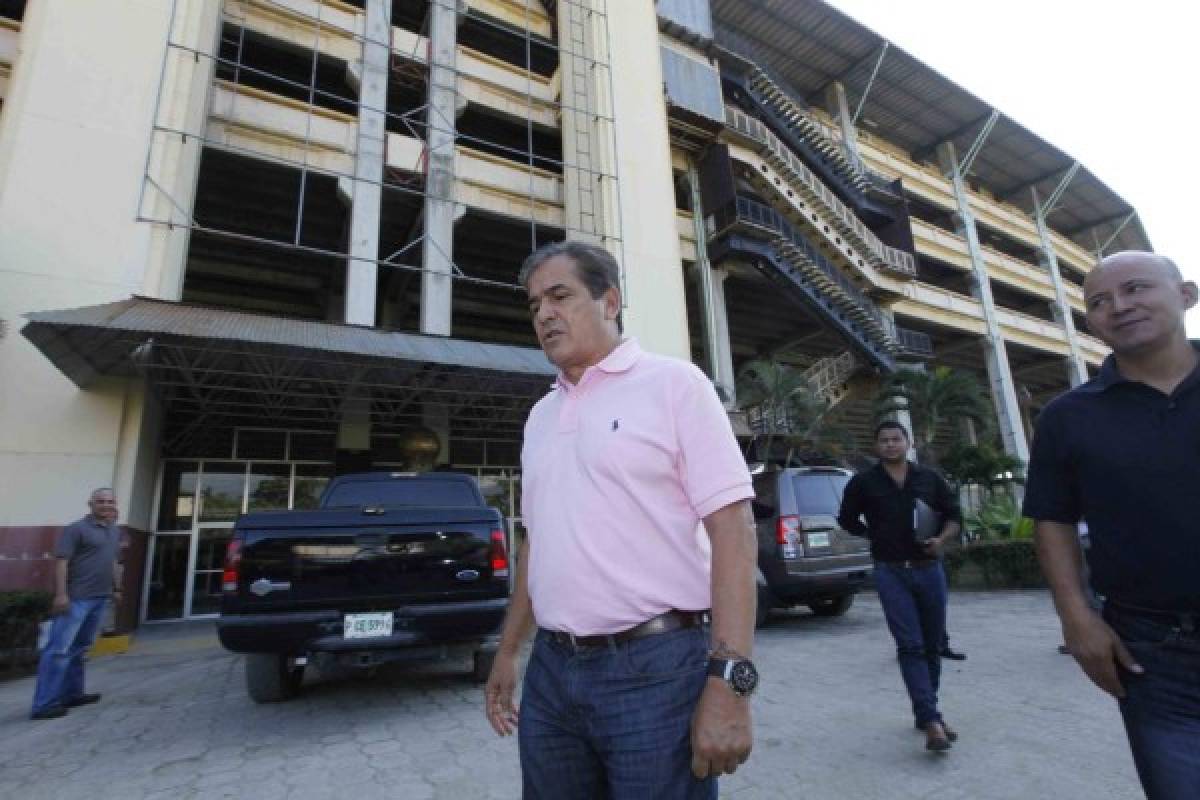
[[1113, 84]]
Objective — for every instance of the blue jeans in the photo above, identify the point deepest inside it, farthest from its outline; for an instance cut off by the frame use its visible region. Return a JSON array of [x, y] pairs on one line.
[[613, 723], [914, 603], [60, 669], [1161, 707]]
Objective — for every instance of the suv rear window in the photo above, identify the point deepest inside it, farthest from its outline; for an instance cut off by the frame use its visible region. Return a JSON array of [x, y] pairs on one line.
[[427, 493], [819, 493]]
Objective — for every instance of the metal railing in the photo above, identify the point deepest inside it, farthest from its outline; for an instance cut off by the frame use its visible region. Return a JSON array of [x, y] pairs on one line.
[[763, 216], [914, 342], [809, 184]]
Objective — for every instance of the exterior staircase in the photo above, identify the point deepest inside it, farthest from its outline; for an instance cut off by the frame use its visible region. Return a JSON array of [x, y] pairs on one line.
[[830, 377]]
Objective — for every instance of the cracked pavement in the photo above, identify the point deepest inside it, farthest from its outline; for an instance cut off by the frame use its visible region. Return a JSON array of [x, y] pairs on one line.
[[831, 722]]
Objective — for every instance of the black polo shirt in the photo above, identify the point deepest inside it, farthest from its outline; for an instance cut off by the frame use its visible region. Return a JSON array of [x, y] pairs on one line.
[[1126, 458], [888, 509]]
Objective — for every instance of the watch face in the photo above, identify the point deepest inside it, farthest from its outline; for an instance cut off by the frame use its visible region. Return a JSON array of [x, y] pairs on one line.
[[743, 678]]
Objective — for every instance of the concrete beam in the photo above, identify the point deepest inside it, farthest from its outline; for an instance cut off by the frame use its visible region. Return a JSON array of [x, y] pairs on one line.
[[437, 254], [362, 270]]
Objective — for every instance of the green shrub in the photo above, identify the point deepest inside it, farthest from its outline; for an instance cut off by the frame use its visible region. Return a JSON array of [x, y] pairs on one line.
[[1008, 564], [20, 613], [1000, 518]]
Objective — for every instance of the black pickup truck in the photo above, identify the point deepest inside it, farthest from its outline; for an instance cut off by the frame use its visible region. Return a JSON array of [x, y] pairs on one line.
[[391, 566]]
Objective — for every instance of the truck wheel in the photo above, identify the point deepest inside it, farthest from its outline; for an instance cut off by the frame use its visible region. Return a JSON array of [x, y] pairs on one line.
[[483, 665], [762, 609], [270, 678], [832, 606]]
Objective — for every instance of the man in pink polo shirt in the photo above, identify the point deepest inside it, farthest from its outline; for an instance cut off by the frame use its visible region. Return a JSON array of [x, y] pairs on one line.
[[633, 689]]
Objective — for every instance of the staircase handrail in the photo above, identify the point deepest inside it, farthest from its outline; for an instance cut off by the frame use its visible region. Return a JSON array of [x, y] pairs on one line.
[[755, 130]]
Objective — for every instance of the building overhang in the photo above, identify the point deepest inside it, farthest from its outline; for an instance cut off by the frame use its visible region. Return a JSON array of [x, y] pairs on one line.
[[236, 368]]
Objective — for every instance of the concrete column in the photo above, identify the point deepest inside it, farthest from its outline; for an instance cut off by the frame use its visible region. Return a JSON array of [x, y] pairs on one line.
[[839, 109], [1004, 392], [437, 254], [372, 77], [1076, 365], [638, 147], [903, 416], [704, 277], [727, 380]]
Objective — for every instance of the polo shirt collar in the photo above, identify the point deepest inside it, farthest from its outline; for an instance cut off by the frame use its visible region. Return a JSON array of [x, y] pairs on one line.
[[1110, 375], [621, 359]]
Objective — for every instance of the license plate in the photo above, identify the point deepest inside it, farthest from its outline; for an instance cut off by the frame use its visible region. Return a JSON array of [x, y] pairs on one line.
[[367, 626], [818, 540]]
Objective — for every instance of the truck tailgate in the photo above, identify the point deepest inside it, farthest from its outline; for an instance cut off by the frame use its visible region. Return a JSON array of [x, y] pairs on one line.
[[318, 561]]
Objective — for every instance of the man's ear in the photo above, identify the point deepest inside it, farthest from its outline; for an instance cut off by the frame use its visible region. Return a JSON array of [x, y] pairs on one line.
[[612, 303], [1190, 293]]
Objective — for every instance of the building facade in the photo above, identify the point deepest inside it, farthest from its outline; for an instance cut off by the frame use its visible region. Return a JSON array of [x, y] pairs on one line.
[[248, 244]]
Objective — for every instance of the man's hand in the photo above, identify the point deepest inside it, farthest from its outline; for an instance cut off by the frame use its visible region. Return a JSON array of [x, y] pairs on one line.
[[721, 732], [59, 605], [498, 702], [1098, 650], [933, 547]]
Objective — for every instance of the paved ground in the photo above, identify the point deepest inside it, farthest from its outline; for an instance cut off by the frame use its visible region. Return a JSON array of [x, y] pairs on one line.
[[831, 723]]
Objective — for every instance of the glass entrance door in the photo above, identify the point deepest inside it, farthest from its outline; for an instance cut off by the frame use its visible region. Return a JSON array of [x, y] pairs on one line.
[[211, 541], [166, 590]]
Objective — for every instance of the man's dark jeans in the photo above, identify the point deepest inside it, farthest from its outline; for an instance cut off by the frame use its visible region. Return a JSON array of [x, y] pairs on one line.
[[1162, 706], [603, 722], [914, 603]]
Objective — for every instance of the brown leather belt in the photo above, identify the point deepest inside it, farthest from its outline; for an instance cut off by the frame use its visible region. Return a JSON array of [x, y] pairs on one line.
[[915, 563], [663, 623]]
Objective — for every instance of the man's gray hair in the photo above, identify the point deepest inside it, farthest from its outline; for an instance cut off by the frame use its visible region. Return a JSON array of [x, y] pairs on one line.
[[101, 489], [594, 265]]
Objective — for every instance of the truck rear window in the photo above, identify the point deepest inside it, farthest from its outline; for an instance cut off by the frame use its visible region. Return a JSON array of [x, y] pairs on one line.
[[820, 494], [356, 494]]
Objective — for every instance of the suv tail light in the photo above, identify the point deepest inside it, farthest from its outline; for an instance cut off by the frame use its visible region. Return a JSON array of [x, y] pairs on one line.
[[499, 555], [787, 535], [233, 561]]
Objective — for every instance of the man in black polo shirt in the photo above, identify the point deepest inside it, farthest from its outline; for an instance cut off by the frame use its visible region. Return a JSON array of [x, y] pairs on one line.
[[908, 573], [1123, 452]]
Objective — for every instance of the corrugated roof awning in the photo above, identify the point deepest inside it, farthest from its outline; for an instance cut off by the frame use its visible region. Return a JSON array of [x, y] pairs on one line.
[[241, 368]]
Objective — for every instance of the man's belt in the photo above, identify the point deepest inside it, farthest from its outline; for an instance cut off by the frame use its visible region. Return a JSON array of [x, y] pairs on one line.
[[1187, 621], [912, 563], [663, 623]]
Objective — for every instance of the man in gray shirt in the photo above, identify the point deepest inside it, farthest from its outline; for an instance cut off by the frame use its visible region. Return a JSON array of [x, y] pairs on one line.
[[85, 575]]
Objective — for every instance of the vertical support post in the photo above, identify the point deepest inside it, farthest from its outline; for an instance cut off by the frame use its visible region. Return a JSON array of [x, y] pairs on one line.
[[1004, 390], [839, 109], [1077, 371], [362, 270], [724, 368], [904, 417], [704, 276], [437, 256]]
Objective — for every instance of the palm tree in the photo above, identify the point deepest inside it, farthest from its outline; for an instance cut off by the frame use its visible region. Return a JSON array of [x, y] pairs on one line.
[[788, 409], [931, 399]]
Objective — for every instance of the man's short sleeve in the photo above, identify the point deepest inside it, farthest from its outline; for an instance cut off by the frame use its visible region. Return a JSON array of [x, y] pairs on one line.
[[68, 541], [1051, 488], [712, 468]]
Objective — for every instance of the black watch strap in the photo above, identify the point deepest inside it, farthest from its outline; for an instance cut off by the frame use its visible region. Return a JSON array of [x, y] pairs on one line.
[[739, 673]]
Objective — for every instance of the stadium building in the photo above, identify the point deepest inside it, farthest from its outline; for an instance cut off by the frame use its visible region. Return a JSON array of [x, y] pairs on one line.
[[248, 244]]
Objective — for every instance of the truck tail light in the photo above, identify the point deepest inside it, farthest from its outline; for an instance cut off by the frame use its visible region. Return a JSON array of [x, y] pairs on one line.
[[499, 555], [787, 535], [233, 562]]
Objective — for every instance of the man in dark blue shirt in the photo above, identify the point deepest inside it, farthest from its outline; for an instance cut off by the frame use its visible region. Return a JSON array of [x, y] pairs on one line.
[[1123, 452], [908, 572]]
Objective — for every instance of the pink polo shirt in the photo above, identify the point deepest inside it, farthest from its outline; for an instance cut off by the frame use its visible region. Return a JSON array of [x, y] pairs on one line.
[[617, 473]]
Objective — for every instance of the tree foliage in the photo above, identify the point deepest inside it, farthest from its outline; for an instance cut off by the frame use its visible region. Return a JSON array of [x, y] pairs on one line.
[[931, 399], [790, 411]]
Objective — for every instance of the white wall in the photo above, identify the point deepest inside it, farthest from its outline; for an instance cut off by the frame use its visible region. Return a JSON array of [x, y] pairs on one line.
[[73, 142]]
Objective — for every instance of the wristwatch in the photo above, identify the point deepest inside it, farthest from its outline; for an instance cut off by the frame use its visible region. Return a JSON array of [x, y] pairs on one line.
[[739, 673]]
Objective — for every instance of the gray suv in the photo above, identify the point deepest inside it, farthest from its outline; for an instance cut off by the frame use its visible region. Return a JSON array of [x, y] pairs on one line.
[[804, 556]]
